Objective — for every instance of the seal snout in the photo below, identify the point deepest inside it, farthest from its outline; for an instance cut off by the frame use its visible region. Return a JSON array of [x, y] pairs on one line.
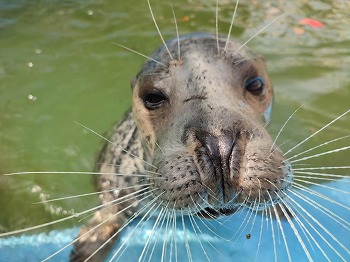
[[218, 148], [218, 158]]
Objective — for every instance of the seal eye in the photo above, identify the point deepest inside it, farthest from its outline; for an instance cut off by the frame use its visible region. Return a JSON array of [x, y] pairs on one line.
[[255, 85], [153, 100]]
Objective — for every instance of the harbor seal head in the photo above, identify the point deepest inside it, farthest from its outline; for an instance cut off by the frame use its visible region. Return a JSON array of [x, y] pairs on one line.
[[201, 108]]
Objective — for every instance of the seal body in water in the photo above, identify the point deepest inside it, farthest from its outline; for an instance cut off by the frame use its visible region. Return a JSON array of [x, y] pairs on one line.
[[195, 141]]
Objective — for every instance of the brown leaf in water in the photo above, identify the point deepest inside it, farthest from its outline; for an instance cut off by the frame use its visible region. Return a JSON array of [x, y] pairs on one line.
[[185, 18], [298, 30]]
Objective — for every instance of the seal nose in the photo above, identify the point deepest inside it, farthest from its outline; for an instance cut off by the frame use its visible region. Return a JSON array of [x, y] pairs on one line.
[[219, 148]]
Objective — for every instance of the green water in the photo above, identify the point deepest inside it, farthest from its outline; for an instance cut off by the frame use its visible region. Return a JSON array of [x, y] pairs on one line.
[[59, 64]]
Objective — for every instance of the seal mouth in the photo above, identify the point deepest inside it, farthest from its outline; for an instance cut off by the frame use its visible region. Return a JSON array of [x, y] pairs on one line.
[[211, 213]]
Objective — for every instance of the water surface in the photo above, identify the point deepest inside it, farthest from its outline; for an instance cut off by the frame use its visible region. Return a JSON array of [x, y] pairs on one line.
[[59, 65]]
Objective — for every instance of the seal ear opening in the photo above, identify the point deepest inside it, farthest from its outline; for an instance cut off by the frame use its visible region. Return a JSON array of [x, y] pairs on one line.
[[133, 82]]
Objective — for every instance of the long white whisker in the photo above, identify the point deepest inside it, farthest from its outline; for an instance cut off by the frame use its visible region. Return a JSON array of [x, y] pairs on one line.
[[54, 222], [318, 131], [323, 228], [146, 247], [199, 240], [321, 154], [285, 123], [111, 142], [257, 33], [160, 34], [177, 33], [280, 226], [322, 209], [188, 249], [140, 54], [91, 230], [272, 231], [147, 206], [260, 234], [319, 177], [123, 199], [157, 237], [71, 173], [315, 193], [165, 234], [231, 25], [318, 146], [87, 194], [217, 26], [321, 185], [322, 168], [295, 230], [174, 231]]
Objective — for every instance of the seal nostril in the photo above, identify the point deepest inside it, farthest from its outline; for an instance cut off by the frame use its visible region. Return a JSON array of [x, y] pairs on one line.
[[218, 148]]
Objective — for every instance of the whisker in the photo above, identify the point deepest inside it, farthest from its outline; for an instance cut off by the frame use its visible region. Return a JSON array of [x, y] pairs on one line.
[[323, 228], [322, 209], [91, 230], [87, 194], [231, 25], [257, 33], [111, 142], [53, 222], [243, 225], [318, 131], [246, 59], [123, 199], [70, 173], [280, 226], [322, 168], [295, 230], [283, 126], [119, 253], [165, 234], [199, 209], [315, 193], [313, 228], [318, 146], [146, 247], [156, 25], [204, 236], [321, 185], [161, 150], [157, 237], [147, 206], [140, 54], [318, 176], [199, 240], [217, 26], [185, 236], [322, 154], [174, 231], [260, 234], [272, 231], [177, 33]]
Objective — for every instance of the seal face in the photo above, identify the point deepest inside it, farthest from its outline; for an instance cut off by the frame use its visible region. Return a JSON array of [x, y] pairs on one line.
[[201, 113], [194, 143]]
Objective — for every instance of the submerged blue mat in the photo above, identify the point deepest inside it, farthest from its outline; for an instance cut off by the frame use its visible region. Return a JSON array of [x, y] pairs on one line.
[[242, 247]]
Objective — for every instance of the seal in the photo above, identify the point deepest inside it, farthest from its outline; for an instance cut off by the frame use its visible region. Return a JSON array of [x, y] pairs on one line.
[[194, 142]]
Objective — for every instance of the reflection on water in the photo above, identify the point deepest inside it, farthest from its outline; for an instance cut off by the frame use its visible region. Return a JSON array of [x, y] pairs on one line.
[[58, 64]]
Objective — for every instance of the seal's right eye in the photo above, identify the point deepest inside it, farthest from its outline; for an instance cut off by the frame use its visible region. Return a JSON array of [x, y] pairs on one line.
[[153, 100]]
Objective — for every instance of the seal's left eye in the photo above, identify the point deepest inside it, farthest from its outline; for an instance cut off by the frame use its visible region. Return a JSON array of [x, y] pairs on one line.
[[255, 85], [153, 100]]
